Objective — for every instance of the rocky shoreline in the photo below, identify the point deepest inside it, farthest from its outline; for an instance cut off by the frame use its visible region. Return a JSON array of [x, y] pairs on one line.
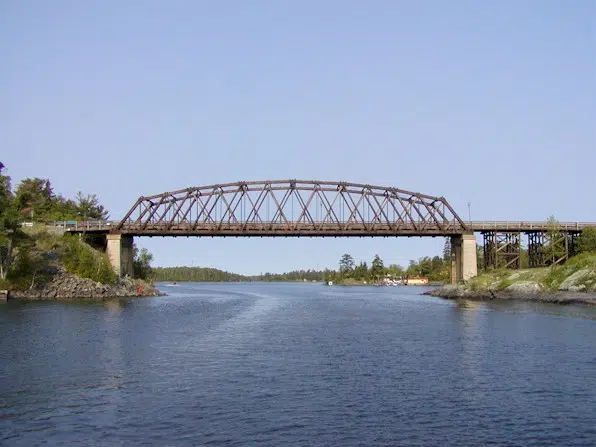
[[518, 291], [66, 286]]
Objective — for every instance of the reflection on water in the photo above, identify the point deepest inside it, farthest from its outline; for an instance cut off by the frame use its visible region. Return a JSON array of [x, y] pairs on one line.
[[468, 305], [115, 305], [297, 364]]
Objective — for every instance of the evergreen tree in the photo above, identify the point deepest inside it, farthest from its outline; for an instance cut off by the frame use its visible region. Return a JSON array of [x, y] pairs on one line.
[[346, 264], [377, 268], [361, 272], [88, 207], [8, 224], [34, 197], [587, 240], [447, 250], [396, 271]]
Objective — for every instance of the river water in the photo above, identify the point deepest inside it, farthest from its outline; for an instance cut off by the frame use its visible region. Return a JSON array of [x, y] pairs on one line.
[[296, 364]]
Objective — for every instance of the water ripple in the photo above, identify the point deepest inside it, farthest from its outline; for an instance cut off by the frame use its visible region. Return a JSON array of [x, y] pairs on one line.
[[294, 364]]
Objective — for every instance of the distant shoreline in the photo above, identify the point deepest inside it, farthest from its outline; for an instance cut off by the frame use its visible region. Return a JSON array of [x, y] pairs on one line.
[[296, 281]]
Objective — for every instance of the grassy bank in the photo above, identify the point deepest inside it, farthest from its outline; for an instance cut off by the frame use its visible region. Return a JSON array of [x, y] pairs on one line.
[[42, 255], [577, 274]]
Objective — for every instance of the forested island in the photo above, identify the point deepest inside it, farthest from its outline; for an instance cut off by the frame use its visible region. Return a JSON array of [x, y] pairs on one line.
[[38, 262], [206, 274], [195, 274], [436, 269]]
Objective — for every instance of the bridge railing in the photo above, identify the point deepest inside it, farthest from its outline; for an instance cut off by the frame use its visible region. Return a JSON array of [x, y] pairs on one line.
[[75, 225], [99, 225], [527, 225]]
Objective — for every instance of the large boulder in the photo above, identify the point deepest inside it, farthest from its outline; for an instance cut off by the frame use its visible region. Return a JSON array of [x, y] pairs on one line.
[[577, 281], [449, 291], [524, 288]]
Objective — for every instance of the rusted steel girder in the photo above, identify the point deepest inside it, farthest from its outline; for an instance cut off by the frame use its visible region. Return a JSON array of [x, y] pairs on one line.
[[292, 208]]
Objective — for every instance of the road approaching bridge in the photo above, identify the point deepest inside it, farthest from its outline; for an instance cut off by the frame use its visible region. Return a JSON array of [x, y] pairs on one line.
[[309, 208]]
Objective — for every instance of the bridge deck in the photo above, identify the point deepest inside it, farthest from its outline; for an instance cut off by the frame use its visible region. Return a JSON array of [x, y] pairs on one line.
[[527, 227], [317, 229]]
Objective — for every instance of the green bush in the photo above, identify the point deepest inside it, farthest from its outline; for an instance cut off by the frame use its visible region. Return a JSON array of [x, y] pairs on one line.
[[555, 276], [29, 269], [587, 240], [142, 263], [82, 260], [581, 261], [558, 273], [504, 283], [48, 242]]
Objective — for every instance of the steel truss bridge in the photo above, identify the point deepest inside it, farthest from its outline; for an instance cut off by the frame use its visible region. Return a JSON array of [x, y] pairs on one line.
[[308, 208]]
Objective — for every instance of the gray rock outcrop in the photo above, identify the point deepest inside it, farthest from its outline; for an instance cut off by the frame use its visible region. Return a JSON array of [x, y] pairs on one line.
[[69, 286], [578, 281], [524, 288]]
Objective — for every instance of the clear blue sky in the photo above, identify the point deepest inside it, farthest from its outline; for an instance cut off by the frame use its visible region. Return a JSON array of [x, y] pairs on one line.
[[488, 102]]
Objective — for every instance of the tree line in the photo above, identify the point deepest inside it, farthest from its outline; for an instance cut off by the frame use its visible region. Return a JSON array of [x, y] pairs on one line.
[[294, 275], [438, 268], [195, 274], [34, 200], [30, 255], [434, 268], [205, 274]]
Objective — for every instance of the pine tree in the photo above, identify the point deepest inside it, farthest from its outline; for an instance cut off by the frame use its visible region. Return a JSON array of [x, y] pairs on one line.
[[447, 250], [377, 268], [346, 264]]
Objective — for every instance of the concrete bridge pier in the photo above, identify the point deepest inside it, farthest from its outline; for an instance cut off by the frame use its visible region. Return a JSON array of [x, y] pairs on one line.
[[463, 258], [120, 252]]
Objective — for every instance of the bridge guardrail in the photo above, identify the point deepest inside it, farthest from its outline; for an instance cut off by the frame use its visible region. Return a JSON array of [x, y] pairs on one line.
[[528, 225], [522, 226], [86, 225], [76, 225]]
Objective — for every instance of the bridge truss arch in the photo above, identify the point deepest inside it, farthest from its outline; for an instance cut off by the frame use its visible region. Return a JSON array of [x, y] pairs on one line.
[[292, 208]]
